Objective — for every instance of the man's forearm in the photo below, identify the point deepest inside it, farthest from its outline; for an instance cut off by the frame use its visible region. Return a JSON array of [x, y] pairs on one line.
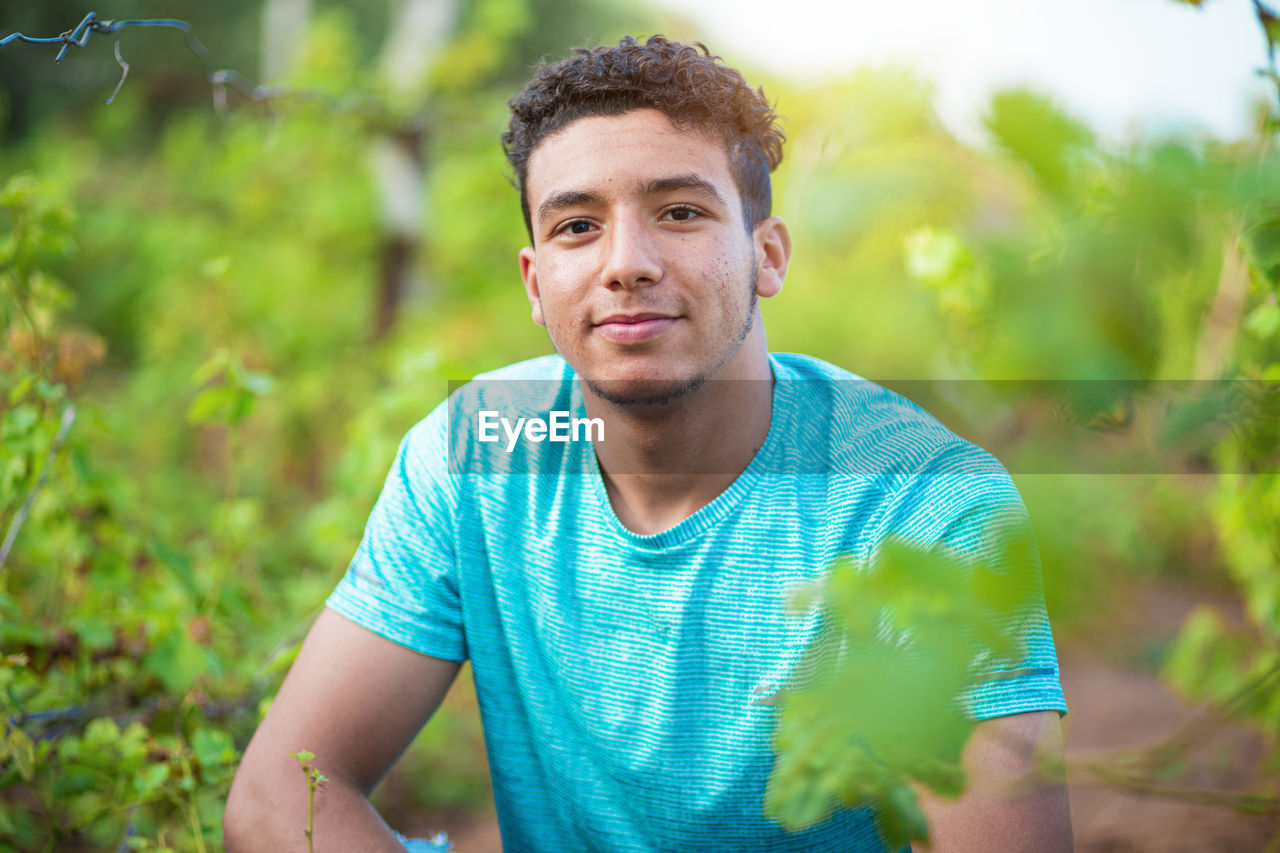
[[1009, 804], [271, 817], [356, 700]]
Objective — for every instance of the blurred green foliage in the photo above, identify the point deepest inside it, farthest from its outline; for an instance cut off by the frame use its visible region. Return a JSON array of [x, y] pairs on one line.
[[913, 632], [1049, 256], [195, 294]]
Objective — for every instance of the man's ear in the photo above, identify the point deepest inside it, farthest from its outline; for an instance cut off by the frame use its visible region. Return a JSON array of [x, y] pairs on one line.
[[773, 251], [529, 275]]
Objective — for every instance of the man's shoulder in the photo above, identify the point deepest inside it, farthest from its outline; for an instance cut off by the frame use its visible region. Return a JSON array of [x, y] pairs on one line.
[[862, 428], [859, 403], [930, 482]]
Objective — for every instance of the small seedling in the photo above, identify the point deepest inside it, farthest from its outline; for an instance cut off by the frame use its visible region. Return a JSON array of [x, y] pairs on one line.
[[315, 782]]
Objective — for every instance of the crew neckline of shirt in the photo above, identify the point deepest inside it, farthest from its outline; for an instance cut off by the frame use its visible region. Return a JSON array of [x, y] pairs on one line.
[[720, 507]]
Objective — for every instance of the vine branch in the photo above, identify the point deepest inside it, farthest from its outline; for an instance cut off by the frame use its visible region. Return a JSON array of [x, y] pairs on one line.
[[1270, 24], [91, 23], [371, 109]]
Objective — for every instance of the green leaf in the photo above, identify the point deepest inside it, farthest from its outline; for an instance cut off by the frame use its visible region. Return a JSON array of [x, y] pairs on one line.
[[151, 779], [1031, 128], [257, 383], [216, 268], [101, 737], [22, 750], [1262, 248], [214, 405], [72, 783], [1204, 662], [211, 367], [1270, 25], [19, 421], [177, 660], [22, 388], [213, 748], [179, 564], [1264, 320], [50, 392], [231, 403], [936, 256], [901, 820]]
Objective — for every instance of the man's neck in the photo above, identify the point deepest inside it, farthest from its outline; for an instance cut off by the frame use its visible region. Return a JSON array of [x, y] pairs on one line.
[[660, 465]]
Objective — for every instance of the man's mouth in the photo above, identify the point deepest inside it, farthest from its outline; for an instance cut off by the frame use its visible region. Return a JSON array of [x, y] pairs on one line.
[[634, 328]]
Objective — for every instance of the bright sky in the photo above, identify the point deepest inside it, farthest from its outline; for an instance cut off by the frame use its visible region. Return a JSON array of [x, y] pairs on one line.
[[1117, 64]]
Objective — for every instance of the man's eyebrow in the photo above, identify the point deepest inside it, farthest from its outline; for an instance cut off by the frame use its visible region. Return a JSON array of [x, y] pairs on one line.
[[573, 198], [569, 198], [691, 183]]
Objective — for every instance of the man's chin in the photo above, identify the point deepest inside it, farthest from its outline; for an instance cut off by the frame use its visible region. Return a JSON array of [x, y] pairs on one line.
[[642, 393]]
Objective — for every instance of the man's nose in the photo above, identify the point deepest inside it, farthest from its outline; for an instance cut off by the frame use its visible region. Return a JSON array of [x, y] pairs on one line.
[[632, 259]]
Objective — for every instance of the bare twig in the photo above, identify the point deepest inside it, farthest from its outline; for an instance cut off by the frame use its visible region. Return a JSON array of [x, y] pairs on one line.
[[370, 109], [1140, 783], [91, 24], [123, 73]]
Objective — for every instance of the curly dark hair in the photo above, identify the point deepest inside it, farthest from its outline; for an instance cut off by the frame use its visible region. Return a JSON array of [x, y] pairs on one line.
[[685, 82]]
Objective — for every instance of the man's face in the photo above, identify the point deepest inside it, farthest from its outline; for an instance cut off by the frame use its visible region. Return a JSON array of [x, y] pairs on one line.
[[642, 268]]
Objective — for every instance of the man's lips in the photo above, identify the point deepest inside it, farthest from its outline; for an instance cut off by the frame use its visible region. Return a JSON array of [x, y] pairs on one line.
[[633, 328]]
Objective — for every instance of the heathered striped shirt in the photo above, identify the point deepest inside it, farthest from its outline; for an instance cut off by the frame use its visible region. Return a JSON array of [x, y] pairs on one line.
[[624, 680]]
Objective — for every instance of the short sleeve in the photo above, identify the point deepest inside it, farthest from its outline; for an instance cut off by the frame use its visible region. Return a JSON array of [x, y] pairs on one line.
[[963, 501], [403, 581]]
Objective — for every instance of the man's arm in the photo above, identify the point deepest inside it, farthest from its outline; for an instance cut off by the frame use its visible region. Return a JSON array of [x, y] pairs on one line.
[[354, 699], [1010, 803]]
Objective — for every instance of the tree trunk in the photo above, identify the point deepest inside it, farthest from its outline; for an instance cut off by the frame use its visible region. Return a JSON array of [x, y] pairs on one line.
[[418, 30], [284, 24]]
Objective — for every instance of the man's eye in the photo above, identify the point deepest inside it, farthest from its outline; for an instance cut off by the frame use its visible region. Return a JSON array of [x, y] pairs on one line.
[[682, 214], [578, 226]]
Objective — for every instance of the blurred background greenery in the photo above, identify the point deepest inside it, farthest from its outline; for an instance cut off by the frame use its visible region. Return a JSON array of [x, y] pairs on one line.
[[218, 322]]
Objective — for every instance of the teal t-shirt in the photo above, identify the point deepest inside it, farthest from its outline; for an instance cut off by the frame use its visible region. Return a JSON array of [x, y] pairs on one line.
[[625, 681]]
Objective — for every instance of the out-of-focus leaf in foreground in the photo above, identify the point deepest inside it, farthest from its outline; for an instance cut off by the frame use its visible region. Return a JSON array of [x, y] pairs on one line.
[[876, 701]]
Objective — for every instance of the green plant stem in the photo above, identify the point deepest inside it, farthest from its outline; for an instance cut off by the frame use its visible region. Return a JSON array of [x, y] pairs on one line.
[[68, 418], [1134, 771], [1140, 784], [311, 809], [232, 473], [55, 829], [195, 822], [1186, 736]]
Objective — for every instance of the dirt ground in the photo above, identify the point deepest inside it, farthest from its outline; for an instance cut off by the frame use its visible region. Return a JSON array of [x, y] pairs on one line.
[[1117, 704]]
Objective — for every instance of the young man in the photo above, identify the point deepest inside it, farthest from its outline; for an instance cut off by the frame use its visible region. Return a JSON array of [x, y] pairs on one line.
[[623, 599]]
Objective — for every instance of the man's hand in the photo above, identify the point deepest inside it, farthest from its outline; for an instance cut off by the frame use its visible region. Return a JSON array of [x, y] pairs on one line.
[[1009, 804], [354, 699]]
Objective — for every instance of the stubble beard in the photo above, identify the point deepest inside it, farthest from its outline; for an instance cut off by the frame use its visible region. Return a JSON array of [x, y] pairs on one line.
[[669, 393]]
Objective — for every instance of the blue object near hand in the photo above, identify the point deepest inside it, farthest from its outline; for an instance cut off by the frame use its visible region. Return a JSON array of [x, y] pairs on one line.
[[437, 844]]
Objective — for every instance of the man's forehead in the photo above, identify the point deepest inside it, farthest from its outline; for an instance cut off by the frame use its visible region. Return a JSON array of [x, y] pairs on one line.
[[637, 150]]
